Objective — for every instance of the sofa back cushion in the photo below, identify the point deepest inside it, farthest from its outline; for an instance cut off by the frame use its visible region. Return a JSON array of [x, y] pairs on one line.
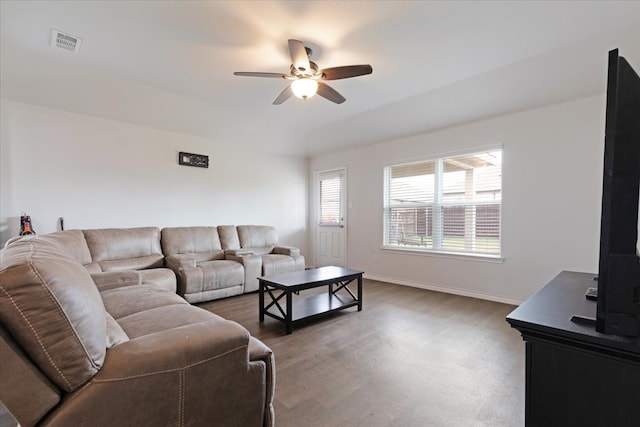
[[260, 238], [52, 308], [125, 248], [75, 243], [201, 242], [228, 237]]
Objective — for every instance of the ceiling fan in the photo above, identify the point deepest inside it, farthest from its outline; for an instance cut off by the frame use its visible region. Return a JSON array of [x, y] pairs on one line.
[[306, 77]]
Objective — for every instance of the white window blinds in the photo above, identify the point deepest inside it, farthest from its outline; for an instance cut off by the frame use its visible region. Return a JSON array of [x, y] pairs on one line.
[[449, 204], [330, 201]]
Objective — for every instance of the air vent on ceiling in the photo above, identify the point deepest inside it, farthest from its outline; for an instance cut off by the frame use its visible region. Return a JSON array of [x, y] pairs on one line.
[[65, 41]]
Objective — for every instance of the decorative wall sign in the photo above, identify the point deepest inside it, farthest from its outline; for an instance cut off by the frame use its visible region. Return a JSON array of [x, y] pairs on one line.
[[190, 159]]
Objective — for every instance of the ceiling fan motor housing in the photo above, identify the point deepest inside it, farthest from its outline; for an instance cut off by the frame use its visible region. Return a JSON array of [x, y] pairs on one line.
[[301, 72]]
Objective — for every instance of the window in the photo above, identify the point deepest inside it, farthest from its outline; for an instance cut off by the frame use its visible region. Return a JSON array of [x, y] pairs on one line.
[[330, 201], [445, 205]]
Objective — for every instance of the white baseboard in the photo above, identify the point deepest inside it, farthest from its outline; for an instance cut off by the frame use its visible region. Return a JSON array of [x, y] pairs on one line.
[[430, 287]]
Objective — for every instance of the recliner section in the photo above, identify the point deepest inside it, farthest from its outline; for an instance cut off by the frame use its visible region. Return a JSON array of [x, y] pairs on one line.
[[217, 262], [260, 241], [118, 249], [197, 258]]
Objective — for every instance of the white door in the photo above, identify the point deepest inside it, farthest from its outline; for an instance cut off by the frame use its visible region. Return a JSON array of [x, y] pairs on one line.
[[330, 219]]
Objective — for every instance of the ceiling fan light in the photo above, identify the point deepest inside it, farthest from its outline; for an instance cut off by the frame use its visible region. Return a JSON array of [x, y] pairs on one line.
[[304, 88]]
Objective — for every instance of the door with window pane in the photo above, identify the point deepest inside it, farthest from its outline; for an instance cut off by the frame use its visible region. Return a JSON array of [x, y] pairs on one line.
[[330, 223]]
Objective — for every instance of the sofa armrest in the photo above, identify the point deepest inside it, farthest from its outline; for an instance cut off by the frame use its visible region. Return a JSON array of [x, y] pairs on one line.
[[24, 389], [260, 352], [173, 349], [116, 279], [286, 250], [252, 269], [238, 252], [177, 371], [179, 262]]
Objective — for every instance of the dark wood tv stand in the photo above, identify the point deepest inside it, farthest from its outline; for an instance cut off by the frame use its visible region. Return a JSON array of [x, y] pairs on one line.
[[575, 376]]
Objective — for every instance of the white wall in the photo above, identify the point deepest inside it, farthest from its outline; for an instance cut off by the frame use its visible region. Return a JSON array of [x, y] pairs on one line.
[[552, 173], [99, 173]]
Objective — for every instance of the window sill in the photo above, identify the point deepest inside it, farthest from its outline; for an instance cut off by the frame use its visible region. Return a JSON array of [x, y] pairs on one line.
[[496, 259]]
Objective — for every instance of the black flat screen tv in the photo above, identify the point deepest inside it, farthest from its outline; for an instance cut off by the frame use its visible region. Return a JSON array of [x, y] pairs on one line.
[[618, 302]]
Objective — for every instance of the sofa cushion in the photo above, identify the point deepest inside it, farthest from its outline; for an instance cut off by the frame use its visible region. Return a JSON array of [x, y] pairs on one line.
[[121, 302], [162, 277], [116, 279], [228, 237], [163, 318], [75, 243], [263, 237], [52, 308], [125, 248], [212, 294], [115, 333], [211, 275], [276, 264], [202, 242]]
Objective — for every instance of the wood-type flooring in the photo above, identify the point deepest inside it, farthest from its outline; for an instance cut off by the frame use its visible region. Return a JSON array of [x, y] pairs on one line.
[[411, 357]]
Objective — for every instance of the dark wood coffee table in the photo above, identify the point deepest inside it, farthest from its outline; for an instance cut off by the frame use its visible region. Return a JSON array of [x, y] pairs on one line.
[[285, 285]]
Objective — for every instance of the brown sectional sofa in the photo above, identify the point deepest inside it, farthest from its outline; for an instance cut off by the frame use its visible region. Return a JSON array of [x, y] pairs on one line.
[[93, 333], [199, 263]]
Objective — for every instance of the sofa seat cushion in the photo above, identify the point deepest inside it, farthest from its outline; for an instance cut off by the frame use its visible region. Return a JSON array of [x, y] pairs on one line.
[[162, 277], [163, 318], [52, 308], [122, 302], [212, 294]]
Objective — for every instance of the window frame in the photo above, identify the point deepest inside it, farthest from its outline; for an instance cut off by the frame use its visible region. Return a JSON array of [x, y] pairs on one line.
[[438, 204]]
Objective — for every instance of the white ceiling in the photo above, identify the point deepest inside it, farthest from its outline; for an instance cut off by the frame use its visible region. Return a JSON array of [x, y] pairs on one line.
[[170, 64]]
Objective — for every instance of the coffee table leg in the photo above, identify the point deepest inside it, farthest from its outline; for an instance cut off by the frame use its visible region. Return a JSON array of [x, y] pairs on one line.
[[261, 300], [360, 292], [289, 317]]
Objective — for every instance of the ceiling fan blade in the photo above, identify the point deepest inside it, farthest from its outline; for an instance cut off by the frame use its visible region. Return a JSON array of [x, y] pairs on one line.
[[299, 57], [257, 74], [336, 73], [284, 95], [326, 91]]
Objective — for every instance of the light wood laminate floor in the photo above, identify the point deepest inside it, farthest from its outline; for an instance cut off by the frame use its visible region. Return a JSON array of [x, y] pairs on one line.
[[412, 357]]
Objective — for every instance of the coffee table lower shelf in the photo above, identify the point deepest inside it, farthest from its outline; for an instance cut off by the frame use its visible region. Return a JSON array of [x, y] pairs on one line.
[[313, 306]]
